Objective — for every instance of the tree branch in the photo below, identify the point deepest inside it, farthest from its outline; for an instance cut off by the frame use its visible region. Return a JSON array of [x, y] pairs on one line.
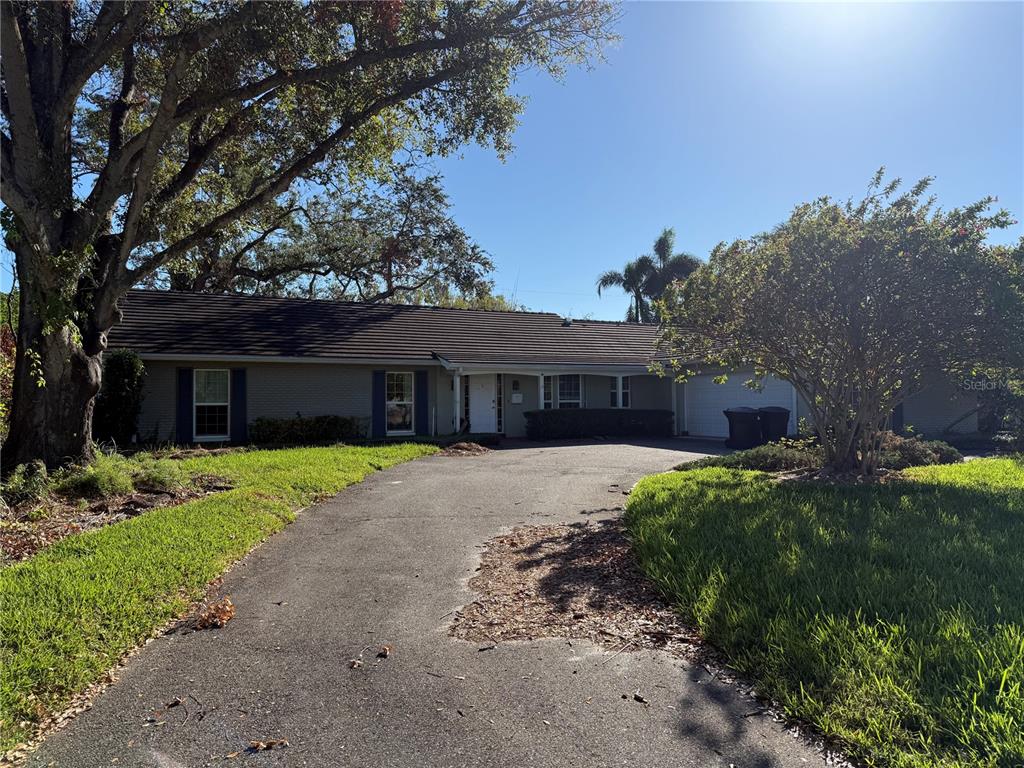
[[103, 41], [163, 121], [300, 166], [26, 149], [119, 109]]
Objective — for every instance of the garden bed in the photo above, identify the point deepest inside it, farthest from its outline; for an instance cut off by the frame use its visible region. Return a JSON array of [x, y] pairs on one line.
[[25, 532]]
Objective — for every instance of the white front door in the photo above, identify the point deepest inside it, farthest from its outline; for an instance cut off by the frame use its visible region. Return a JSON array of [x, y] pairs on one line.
[[483, 413]]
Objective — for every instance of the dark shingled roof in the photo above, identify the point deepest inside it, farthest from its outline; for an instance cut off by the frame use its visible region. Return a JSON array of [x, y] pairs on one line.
[[172, 323]]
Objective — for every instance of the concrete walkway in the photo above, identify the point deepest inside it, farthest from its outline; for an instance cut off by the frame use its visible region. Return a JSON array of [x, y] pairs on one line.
[[387, 561]]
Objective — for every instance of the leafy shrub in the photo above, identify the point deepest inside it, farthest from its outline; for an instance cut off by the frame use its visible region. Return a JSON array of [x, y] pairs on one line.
[[902, 452], [108, 475], [153, 474], [787, 455], [120, 397], [560, 423], [305, 430], [783, 456], [1008, 442], [26, 483]]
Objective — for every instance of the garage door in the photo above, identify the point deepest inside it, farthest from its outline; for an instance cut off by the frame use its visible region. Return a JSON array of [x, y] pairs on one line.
[[705, 401]]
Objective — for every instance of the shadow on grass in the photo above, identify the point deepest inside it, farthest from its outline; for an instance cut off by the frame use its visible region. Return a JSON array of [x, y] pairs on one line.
[[891, 616]]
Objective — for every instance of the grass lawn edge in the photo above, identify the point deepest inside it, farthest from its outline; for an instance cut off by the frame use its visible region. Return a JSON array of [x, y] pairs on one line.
[[75, 612], [808, 585]]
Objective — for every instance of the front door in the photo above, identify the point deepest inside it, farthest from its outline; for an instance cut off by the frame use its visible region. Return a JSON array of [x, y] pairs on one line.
[[483, 414]]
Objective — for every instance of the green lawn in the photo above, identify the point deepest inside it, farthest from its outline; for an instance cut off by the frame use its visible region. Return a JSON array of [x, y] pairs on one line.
[[71, 611], [891, 617]]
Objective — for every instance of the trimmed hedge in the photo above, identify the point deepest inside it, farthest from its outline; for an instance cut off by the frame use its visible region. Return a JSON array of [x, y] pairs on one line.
[[304, 430], [560, 423]]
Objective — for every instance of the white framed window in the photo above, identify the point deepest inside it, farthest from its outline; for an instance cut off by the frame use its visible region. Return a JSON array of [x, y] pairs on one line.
[[548, 402], [211, 404], [400, 405], [570, 391], [613, 399]]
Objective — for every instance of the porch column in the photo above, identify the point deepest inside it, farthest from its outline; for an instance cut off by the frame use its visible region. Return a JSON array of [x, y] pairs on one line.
[[540, 392], [618, 391], [456, 403]]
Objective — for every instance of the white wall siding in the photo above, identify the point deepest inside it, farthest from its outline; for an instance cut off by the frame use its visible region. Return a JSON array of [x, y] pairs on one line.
[[159, 404], [650, 392], [282, 390]]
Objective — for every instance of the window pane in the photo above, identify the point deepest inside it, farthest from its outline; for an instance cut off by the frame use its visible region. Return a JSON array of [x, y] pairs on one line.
[[211, 420], [211, 387], [399, 417], [569, 387], [568, 404], [399, 387]]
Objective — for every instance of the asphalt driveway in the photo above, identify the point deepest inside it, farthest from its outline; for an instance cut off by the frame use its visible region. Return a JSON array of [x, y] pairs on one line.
[[386, 562]]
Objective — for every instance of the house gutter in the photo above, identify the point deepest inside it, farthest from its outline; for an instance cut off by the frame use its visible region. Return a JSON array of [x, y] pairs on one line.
[[184, 357]]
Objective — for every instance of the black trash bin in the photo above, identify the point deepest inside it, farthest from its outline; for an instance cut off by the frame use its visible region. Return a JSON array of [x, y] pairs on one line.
[[744, 427], [774, 422]]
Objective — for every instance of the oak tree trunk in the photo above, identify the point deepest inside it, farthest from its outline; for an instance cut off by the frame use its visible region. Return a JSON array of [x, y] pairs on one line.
[[55, 383]]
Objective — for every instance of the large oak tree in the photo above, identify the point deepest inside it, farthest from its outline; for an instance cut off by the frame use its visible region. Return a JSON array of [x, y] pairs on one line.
[[132, 132]]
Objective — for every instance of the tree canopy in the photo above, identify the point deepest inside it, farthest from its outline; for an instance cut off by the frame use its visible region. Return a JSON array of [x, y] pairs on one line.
[[366, 240], [134, 132], [858, 305]]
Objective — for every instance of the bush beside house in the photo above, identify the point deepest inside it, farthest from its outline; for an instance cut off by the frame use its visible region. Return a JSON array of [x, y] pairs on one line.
[[563, 423], [119, 401], [306, 430]]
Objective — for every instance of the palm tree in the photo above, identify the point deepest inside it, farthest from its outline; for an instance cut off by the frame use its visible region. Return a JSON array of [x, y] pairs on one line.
[[633, 279], [668, 266], [645, 279]]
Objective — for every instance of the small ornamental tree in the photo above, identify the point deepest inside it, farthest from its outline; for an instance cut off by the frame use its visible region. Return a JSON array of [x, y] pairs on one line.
[[858, 305], [119, 401]]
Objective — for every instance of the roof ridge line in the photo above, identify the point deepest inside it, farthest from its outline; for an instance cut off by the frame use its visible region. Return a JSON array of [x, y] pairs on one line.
[[300, 299]]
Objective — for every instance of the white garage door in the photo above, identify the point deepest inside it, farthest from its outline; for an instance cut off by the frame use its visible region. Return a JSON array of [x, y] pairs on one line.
[[706, 400]]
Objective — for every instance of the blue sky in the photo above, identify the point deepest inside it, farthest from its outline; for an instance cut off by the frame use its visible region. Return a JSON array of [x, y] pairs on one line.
[[718, 118]]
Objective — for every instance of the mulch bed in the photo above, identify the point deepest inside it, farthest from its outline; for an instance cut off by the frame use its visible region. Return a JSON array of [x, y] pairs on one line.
[[575, 580], [580, 581], [464, 449], [21, 537]]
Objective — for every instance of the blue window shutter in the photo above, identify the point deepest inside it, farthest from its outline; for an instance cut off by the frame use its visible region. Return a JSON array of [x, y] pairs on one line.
[[183, 413], [421, 403], [239, 429], [378, 412]]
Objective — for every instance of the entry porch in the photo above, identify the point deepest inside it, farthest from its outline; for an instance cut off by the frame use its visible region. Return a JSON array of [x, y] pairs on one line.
[[485, 399]]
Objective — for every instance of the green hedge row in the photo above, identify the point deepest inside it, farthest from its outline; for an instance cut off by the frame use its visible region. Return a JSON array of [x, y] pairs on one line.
[[305, 430], [560, 423]]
